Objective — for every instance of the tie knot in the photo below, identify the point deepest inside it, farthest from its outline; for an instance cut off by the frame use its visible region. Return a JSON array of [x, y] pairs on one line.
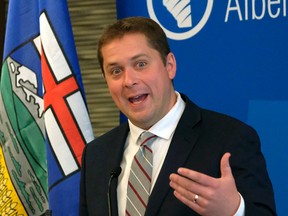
[[146, 138]]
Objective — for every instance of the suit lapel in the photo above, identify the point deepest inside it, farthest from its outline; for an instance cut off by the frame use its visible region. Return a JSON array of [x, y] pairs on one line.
[[181, 145]]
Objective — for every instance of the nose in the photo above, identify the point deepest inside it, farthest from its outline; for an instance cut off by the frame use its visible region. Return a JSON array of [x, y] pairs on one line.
[[130, 78]]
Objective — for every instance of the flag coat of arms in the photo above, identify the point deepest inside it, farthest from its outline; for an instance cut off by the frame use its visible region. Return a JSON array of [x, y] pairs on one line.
[[44, 122]]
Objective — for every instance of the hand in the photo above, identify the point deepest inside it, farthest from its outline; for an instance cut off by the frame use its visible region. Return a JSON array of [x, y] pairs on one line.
[[216, 196]]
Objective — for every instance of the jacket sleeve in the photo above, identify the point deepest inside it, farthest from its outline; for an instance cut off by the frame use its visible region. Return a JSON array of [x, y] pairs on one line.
[[251, 176], [82, 203]]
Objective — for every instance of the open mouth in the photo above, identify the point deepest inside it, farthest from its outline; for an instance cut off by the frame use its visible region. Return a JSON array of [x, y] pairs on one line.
[[138, 99]]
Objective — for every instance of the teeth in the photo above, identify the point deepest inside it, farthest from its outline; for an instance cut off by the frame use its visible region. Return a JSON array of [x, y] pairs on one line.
[[137, 99], [137, 102]]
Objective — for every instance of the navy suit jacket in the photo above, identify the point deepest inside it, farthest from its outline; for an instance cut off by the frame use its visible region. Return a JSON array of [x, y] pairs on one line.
[[199, 142]]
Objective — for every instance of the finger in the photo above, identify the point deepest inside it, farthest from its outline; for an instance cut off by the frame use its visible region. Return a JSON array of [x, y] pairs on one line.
[[225, 166], [197, 177], [179, 182], [190, 203], [186, 187], [182, 191]]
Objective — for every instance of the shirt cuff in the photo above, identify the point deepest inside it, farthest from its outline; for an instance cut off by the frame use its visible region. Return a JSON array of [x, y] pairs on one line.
[[241, 209]]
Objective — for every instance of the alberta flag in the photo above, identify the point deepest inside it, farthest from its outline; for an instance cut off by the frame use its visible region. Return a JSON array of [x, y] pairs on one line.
[[44, 122]]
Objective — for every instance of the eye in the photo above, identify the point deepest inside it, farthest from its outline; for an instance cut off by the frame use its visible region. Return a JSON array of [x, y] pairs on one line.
[[141, 64], [115, 71]]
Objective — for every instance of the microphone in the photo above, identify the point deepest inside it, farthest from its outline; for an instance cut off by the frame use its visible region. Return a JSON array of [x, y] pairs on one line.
[[113, 174]]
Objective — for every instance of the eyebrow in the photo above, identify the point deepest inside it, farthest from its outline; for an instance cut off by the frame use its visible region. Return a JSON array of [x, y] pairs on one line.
[[132, 59], [139, 56]]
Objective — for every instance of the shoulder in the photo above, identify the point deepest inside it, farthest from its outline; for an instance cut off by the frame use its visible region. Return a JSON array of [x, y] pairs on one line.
[[215, 121], [116, 136]]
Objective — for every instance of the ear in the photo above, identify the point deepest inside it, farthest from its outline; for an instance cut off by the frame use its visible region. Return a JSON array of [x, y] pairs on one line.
[[171, 65]]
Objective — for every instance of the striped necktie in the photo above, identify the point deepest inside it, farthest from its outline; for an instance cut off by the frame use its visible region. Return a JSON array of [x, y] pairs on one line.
[[139, 183]]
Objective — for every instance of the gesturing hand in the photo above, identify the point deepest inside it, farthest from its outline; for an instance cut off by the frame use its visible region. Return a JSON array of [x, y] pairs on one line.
[[207, 195]]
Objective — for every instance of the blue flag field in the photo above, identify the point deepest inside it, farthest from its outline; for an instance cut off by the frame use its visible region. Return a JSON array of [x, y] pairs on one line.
[[44, 121]]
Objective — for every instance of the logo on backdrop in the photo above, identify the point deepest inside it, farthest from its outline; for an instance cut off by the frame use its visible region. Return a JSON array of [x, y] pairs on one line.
[[180, 19]]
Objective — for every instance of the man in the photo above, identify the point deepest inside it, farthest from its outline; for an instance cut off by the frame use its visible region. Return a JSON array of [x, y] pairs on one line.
[[204, 163]]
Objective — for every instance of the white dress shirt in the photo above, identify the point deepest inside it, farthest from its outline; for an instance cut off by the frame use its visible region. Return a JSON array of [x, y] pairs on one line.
[[164, 129]]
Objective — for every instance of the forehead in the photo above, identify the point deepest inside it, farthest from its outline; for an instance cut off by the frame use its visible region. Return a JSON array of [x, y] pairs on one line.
[[126, 47]]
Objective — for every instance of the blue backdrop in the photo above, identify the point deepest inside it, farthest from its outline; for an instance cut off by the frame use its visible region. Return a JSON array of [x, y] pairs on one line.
[[232, 58]]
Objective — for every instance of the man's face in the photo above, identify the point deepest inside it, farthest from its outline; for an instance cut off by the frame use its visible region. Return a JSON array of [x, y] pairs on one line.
[[139, 82]]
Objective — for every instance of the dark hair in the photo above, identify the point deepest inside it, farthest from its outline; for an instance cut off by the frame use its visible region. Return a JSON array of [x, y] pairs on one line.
[[155, 35]]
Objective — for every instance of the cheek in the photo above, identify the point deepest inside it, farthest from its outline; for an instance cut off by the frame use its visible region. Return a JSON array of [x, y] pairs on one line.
[[115, 95], [162, 80], [113, 89]]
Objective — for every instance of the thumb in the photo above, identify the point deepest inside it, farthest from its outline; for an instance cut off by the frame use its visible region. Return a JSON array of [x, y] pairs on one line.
[[225, 165]]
